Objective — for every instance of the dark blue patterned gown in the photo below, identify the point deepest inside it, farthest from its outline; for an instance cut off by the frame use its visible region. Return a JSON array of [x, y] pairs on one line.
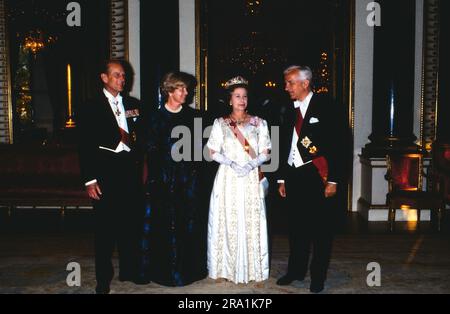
[[174, 242]]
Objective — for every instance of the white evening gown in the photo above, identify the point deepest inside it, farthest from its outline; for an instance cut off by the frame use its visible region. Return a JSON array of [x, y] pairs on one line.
[[237, 227]]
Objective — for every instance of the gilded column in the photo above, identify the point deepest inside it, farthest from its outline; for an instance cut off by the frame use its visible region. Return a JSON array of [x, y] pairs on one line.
[[443, 81], [430, 73], [6, 130]]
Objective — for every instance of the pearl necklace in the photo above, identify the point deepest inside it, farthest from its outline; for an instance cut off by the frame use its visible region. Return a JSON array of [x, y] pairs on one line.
[[238, 121]]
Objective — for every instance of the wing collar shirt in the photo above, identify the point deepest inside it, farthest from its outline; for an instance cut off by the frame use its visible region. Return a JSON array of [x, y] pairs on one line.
[[295, 159], [118, 109]]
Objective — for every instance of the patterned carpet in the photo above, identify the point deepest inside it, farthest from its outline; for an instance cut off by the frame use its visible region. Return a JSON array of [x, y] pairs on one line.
[[410, 263]]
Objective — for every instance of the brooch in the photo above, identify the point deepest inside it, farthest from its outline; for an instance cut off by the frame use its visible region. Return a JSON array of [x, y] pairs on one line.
[[306, 142], [313, 150]]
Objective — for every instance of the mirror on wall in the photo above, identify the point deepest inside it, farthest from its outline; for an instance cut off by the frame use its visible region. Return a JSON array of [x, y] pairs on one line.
[[55, 48]]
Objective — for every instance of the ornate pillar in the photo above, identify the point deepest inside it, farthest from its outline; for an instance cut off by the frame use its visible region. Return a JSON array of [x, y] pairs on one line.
[[430, 73], [134, 45], [6, 130], [393, 85], [119, 30], [443, 81], [125, 41], [188, 41]]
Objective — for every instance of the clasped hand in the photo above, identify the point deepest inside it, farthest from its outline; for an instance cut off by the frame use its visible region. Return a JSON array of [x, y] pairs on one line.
[[242, 171]]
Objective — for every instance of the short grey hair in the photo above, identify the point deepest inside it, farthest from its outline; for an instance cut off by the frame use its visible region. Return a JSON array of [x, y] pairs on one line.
[[304, 72]]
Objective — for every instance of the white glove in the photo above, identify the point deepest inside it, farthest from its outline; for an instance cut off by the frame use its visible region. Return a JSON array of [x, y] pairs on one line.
[[221, 159], [240, 171], [248, 167], [258, 161]]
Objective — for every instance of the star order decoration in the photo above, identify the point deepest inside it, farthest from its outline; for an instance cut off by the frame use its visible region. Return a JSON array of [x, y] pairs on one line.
[[306, 142]]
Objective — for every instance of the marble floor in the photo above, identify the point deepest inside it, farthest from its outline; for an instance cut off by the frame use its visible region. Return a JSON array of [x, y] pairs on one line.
[[36, 249]]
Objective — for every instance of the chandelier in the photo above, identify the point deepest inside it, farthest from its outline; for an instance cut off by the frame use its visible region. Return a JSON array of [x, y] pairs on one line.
[[252, 48], [253, 7], [36, 40], [36, 23], [254, 52]]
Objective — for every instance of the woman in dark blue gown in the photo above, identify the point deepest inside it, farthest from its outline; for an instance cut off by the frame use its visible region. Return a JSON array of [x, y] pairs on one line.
[[174, 244]]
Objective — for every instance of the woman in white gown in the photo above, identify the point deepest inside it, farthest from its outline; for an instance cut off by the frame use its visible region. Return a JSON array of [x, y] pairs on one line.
[[237, 227]]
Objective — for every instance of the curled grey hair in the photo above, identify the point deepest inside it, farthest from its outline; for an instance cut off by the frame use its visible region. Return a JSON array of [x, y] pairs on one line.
[[304, 72], [171, 81]]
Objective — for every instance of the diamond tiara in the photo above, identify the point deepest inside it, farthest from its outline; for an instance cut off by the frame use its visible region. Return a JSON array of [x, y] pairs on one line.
[[238, 80]]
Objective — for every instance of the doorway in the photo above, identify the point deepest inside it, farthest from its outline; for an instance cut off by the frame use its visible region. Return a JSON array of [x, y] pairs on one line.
[[258, 39]]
